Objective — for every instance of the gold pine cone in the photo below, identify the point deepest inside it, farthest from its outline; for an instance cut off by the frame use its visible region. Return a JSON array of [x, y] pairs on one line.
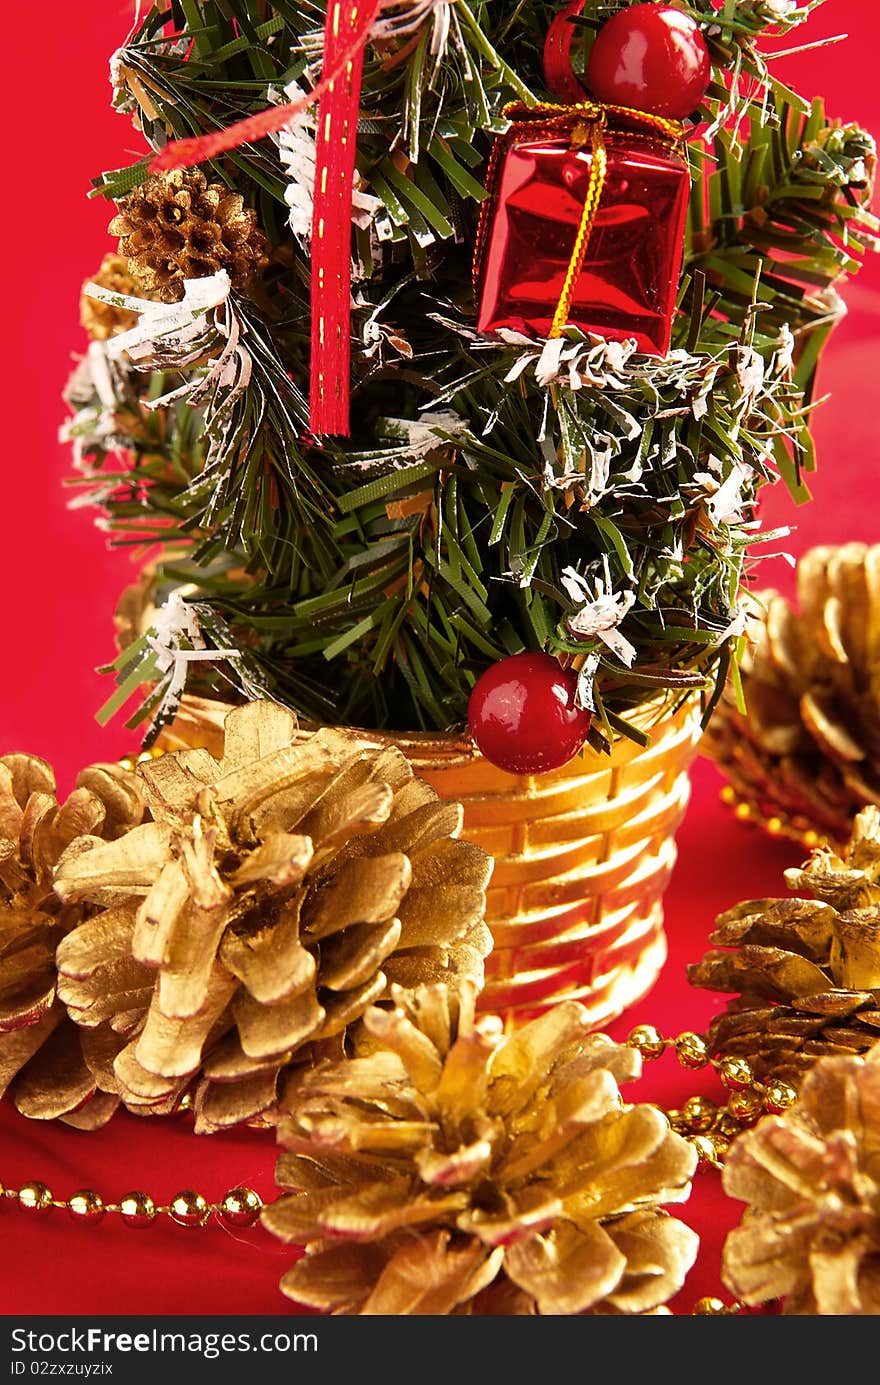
[[274, 895], [178, 226], [41, 1061], [810, 1179], [805, 970], [103, 320], [807, 751], [450, 1168]]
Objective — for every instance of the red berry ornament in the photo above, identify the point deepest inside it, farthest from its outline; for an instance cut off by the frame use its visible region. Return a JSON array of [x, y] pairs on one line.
[[523, 717], [652, 58]]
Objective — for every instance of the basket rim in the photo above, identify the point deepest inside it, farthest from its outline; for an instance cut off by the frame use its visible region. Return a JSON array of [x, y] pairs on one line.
[[453, 747]]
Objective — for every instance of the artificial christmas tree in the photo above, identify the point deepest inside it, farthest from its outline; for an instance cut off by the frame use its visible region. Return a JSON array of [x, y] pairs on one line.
[[357, 492]]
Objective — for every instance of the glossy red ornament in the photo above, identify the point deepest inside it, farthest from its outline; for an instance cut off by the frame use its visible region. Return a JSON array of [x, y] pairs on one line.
[[651, 58], [628, 284], [523, 717]]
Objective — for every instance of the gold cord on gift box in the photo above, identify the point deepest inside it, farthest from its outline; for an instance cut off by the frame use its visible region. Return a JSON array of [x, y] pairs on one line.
[[588, 121]]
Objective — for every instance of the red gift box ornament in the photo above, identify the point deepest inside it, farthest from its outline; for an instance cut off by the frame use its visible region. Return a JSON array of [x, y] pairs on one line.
[[585, 218]]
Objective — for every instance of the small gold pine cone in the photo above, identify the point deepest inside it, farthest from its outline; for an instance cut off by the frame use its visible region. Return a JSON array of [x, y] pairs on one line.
[[807, 750], [276, 893], [805, 971], [810, 1179], [41, 1061], [452, 1168], [103, 320], [178, 226]]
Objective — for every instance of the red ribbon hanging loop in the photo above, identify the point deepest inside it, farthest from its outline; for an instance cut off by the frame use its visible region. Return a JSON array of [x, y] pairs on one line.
[[558, 70], [347, 30]]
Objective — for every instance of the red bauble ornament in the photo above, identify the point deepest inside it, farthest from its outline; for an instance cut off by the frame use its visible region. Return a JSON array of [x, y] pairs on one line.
[[651, 58], [523, 717]]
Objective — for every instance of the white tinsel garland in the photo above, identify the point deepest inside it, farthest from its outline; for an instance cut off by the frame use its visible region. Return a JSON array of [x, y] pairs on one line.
[[176, 641]]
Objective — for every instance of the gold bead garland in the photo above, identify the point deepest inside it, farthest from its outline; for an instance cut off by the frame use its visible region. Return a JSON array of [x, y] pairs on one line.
[[794, 829], [238, 1208], [709, 1307], [710, 1128]]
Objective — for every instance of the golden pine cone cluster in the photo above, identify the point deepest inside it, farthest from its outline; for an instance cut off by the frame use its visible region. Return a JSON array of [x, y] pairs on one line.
[[805, 971], [271, 897], [810, 1181], [178, 226], [104, 320], [452, 1168], [807, 750], [41, 1061]]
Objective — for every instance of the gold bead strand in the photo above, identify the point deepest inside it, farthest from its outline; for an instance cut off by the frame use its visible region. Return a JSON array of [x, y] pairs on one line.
[[711, 1128], [239, 1207], [709, 1307], [795, 829]]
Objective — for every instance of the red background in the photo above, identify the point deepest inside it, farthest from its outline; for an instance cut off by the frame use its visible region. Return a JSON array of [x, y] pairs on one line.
[[59, 588]]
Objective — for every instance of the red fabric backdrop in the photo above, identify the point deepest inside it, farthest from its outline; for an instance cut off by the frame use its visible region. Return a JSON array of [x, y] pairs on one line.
[[61, 582]]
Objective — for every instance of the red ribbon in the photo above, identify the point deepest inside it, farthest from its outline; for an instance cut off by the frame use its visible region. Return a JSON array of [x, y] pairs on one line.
[[558, 70], [347, 29]]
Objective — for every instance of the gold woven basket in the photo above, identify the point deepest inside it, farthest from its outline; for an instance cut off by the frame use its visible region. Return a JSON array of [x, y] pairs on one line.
[[582, 855]]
